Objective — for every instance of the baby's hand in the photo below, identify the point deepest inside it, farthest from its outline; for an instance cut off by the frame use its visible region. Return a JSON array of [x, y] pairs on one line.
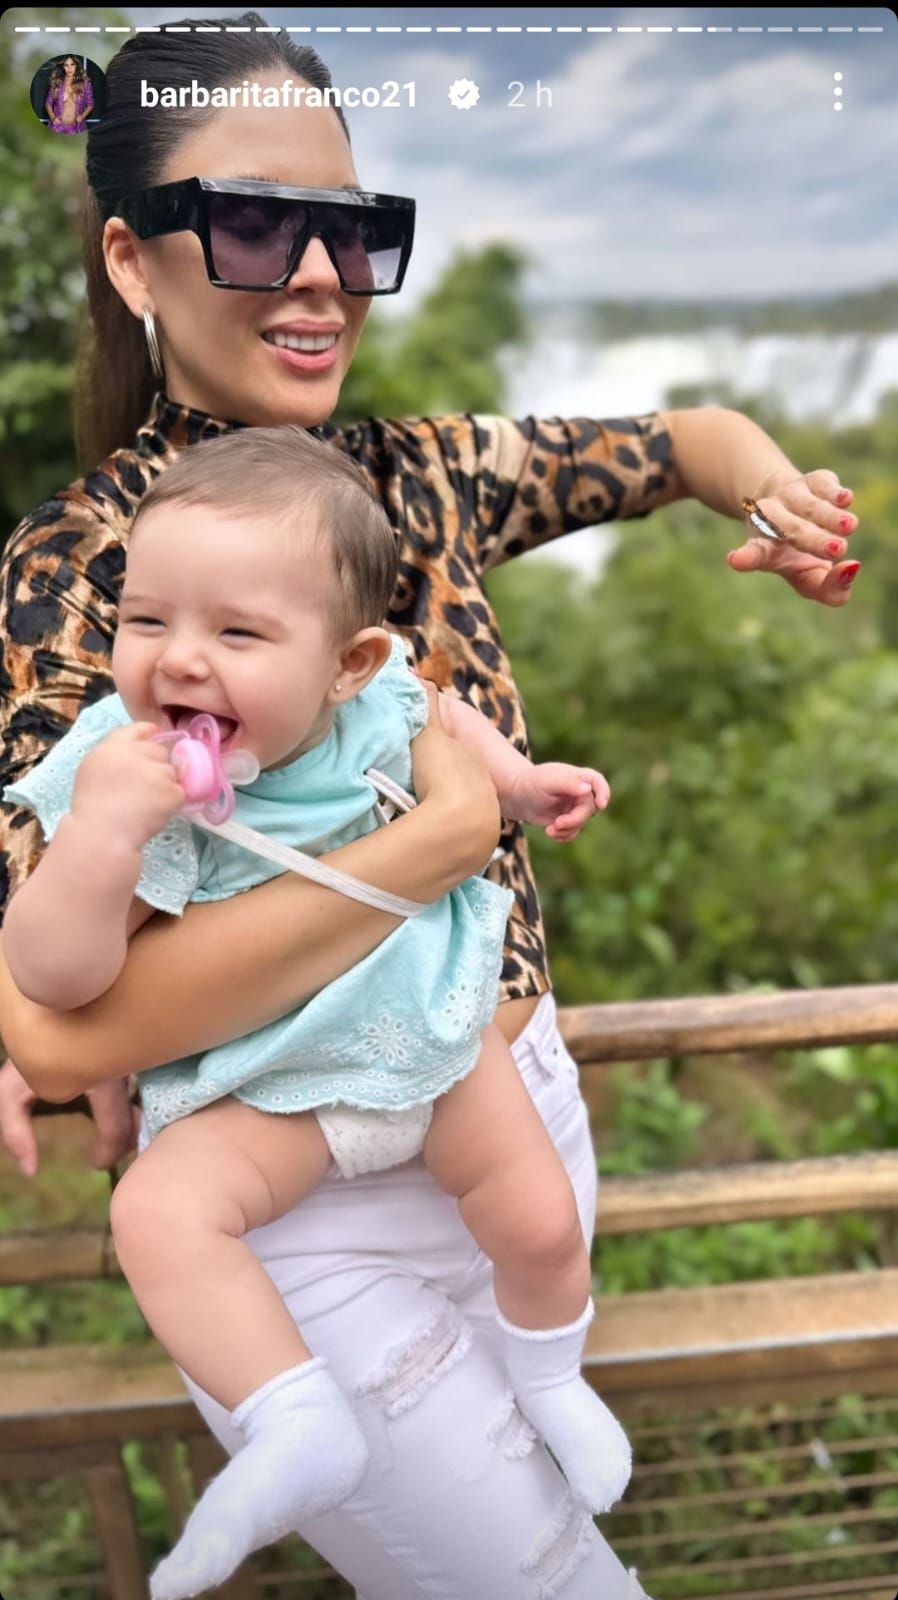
[[559, 798], [126, 788]]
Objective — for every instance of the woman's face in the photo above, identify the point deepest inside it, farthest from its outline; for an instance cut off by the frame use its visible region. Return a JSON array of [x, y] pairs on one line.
[[216, 344], [69, 66]]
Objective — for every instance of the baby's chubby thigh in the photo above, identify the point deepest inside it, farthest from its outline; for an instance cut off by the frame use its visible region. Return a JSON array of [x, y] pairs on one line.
[[490, 1148], [223, 1170]]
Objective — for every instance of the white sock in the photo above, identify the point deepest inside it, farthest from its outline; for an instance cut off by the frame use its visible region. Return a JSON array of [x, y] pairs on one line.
[[588, 1443], [304, 1454]]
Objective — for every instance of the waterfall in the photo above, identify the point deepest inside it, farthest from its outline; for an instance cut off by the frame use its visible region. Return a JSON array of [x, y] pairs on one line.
[[840, 379]]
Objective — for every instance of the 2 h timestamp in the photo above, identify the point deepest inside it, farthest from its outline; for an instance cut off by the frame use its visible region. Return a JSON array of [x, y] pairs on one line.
[[525, 95]]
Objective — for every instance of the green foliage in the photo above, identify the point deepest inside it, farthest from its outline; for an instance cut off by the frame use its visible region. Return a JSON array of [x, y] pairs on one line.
[[750, 842], [149, 1495], [62, 1196], [687, 1467], [58, 1314], [445, 355], [653, 1119], [41, 282], [65, 1546], [750, 837]]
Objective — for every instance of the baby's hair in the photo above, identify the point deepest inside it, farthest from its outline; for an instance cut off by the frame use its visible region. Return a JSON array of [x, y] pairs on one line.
[[310, 489]]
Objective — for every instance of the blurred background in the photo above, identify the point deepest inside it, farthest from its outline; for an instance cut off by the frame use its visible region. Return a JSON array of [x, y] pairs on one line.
[[692, 220]]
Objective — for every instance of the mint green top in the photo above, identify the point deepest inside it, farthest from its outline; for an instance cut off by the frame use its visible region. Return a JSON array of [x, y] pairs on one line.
[[397, 1029]]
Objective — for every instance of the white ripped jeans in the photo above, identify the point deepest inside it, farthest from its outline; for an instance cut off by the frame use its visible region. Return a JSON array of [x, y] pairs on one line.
[[459, 1502]]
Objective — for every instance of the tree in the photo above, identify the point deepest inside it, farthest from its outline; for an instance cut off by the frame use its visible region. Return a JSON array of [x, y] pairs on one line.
[[41, 281], [445, 356], [747, 738]]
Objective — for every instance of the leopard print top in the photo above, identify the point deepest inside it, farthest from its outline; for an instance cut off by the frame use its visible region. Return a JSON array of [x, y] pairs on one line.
[[464, 494]]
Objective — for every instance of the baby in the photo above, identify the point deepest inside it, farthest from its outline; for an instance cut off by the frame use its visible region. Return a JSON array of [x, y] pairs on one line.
[[259, 571]]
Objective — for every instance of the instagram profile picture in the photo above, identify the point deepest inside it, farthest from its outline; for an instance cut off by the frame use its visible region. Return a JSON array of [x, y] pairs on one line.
[[68, 93]]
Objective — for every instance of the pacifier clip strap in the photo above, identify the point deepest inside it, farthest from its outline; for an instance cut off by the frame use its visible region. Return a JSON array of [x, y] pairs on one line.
[[309, 867]]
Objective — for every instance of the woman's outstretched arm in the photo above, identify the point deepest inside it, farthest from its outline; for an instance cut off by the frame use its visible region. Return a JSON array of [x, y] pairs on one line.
[[229, 967], [540, 478]]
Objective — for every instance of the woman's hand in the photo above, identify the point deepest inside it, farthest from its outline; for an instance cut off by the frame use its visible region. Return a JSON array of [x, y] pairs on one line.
[[115, 1118], [811, 509], [446, 770]]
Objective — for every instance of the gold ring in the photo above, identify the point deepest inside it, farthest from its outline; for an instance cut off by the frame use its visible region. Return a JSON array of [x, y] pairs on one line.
[[763, 525]]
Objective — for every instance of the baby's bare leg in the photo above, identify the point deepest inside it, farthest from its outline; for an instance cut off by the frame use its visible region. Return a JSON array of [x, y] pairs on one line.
[[488, 1147], [178, 1220], [179, 1216]]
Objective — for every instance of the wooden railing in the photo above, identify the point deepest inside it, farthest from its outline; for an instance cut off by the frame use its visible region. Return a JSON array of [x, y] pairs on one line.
[[662, 1352]]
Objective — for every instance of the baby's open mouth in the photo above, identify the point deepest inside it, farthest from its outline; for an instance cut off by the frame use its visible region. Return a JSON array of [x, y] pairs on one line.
[[179, 717]]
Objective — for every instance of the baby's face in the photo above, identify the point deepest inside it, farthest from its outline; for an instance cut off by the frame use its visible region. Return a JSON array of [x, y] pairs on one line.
[[227, 615]]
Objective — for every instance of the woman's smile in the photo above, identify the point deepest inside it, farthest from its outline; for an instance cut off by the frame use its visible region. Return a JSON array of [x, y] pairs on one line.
[[304, 346]]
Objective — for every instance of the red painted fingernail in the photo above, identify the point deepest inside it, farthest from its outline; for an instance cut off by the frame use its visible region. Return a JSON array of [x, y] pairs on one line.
[[849, 573], [845, 523], [834, 547], [843, 497]]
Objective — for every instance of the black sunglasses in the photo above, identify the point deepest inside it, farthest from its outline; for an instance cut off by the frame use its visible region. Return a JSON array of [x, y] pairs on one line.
[[254, 234]]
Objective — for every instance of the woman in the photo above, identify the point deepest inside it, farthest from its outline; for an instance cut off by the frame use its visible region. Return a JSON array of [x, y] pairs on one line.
[[71, 97], [459, 1503]]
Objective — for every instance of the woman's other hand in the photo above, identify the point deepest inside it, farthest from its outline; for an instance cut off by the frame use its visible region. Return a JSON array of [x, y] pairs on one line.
[[451, 773], [811, 509], [116, 1121]]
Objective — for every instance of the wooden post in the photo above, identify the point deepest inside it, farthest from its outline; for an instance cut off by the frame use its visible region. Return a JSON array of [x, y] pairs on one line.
[[116, 1524]]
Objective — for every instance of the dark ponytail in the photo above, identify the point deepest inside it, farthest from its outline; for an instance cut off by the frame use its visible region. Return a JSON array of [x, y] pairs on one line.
[[128, 149]]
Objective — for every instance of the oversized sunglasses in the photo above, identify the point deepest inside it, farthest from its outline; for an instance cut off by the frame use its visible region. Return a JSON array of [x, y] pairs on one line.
[[254, 234]]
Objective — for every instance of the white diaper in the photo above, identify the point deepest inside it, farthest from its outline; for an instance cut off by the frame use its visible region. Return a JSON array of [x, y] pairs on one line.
[[369, 1141]]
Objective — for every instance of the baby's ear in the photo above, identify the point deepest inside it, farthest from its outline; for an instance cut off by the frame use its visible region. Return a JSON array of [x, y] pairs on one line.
[[360, 661]]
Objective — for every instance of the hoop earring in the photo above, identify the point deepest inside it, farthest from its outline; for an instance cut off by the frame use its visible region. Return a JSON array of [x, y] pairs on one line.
[[149, 328]]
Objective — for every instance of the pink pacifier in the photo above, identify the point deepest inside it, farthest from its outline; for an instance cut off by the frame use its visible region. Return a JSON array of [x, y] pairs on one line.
[[206, 776]]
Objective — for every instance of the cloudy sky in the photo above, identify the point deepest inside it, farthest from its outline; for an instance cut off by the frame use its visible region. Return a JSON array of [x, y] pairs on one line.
[[687, 164]]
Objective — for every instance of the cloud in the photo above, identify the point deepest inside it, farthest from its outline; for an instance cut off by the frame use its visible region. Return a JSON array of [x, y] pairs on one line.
[[668, 165], [661, 171]]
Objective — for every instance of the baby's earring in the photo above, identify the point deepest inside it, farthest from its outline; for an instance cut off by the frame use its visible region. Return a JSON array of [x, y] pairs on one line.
[[337, 688]]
